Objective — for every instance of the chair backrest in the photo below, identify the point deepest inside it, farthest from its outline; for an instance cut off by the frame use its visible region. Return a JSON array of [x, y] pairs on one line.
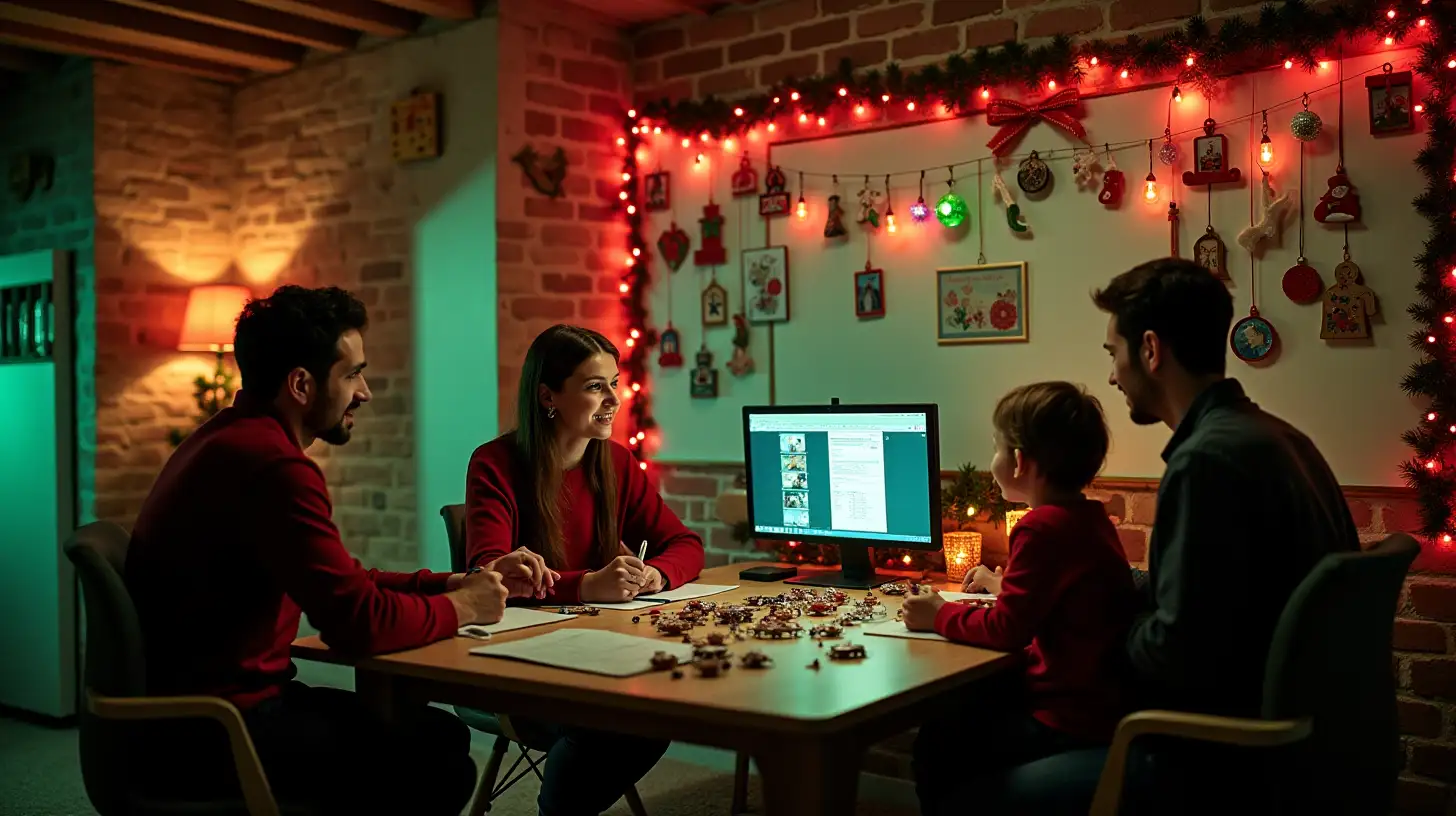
[[1330, 661], [454, 516], [115, 663]]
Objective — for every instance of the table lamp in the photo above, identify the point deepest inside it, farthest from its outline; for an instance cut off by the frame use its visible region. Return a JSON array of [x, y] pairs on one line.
[[211, 319], [962, 554]]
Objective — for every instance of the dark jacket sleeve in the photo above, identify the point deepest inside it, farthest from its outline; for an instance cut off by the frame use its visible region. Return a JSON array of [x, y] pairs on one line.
[[1196, 540]]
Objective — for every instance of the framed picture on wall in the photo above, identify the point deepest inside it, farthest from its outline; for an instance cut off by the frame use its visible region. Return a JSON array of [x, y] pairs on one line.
[[869, 293], [657, 192], [982, 304], [1391, 97], [766, 272]]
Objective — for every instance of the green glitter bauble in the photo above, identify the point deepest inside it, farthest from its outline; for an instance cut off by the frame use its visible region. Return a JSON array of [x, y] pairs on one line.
[[1306, 126], [951, 210]]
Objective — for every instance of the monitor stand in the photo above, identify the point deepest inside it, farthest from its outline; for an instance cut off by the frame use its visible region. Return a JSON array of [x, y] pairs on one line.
[[856, 571]]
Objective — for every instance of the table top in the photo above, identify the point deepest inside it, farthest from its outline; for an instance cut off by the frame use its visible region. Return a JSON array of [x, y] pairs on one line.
[[896, 672]]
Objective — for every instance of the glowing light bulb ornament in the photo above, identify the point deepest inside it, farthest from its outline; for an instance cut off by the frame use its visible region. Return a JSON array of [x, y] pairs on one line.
[[1266, 147], [1306, 125], [951, 209]]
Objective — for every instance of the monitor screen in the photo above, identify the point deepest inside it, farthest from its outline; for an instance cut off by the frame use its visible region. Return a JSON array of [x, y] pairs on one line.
[[865, 473]]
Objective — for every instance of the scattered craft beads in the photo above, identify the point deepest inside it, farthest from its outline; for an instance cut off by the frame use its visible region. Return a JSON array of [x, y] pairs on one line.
[[846, 651], [662, 661], [755, 659]]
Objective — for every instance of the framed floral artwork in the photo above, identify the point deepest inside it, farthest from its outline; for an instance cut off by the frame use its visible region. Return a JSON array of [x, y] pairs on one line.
[[766, 271], [982, 304]]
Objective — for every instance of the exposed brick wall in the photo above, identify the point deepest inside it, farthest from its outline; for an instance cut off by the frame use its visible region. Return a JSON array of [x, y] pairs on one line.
[[1425, 629], [750, 48], [564, 83], [51, 114], [163, 224]]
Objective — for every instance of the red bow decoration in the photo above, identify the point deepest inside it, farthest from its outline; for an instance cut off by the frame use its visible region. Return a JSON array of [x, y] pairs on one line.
[[1016, 117]]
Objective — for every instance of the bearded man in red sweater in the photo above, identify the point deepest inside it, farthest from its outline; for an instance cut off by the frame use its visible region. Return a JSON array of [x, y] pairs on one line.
[[236, 540]]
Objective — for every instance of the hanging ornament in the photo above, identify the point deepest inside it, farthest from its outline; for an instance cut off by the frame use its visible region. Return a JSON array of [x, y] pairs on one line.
[[673, 243], [1271, 218], [711, 253], [1339, 204], [1151, 193], [1084, 167], [1306, 125], [775, 201], [1266, 146], [1168, 153], [1014, 118], [745, 179], [1391, 97], [869, 205], [1014, 218], [889, 208], [704, 384], [919, 211], [1173, 227], [715, 304], [1210, 253], [1034, 176], [659, 191], [670, 344], [1113, 184], [1301, 283], [1253, 338], [1347, 305], [869, 292], [1210, 159], [951, 209], [803, 209], [740, 363], [834, 220]]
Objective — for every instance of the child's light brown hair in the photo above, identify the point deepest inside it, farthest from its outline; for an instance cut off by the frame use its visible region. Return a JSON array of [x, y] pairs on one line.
[[1057, 425]]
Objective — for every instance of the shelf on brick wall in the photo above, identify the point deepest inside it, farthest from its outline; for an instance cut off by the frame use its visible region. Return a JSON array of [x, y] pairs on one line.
[[27, 323]]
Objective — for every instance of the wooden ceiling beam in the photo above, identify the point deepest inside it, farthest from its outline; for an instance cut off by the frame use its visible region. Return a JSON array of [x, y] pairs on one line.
[[26, 61], [141, 28], [251, 19], [60, 42], [360, 15], [444, 9]]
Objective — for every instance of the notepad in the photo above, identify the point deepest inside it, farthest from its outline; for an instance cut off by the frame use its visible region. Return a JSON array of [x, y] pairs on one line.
[[588, 650], [627, 606], [515, 617], [894, 628], [968, 596], [687, 592]]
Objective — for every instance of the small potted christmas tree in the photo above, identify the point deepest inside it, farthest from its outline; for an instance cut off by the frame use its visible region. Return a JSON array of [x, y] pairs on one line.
[[973, 512]]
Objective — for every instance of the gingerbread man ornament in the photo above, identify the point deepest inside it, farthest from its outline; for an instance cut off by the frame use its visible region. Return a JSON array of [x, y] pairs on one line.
[[1347, 306]]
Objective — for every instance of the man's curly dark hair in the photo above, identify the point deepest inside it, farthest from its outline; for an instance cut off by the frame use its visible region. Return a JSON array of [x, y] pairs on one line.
[[295, 327]]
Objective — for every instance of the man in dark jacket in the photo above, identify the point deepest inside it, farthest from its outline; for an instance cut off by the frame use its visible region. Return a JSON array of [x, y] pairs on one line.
[[1246, 507]]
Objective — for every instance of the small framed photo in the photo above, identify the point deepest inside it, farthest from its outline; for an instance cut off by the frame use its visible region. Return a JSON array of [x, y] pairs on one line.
[[869, 293], [1210, 153], [982, 304], [1392, 98], [766, 271], [657, 192]]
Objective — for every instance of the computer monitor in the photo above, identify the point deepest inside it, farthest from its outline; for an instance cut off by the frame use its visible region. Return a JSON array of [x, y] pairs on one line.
[[856, 476]]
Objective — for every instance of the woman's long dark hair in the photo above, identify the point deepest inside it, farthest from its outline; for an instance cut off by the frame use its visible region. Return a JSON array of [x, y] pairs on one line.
[[553, 356]]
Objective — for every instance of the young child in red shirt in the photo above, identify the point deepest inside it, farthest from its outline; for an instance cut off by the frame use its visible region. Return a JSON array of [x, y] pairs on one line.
[[1065, 602]]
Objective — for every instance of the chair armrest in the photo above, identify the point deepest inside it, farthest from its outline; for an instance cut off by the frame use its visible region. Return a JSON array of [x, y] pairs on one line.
[[1228, 730], [254, 782]]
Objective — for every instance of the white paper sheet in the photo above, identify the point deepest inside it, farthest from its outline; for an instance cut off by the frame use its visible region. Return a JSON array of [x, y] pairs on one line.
[[588, 650], [688, 592], [894, 628], [627, 606], [515, 617], [968, 596]]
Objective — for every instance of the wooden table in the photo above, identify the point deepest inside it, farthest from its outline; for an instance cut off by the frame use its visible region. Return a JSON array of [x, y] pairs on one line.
[[807, 730]]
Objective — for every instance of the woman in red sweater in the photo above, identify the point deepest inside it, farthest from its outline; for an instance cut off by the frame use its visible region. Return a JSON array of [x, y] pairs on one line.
[[559, 486], [1065, 602]]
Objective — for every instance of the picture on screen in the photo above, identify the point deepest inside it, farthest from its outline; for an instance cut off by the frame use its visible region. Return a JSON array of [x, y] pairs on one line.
[[795, 462], [796, 500], [796, 518], [791, 443], [795, 480]]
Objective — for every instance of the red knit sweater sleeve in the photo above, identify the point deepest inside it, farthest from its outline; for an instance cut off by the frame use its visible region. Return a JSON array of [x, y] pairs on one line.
[[1030, 587], [672, 548], [355, 610]]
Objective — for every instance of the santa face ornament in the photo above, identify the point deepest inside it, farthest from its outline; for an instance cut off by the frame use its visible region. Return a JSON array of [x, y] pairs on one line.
[[1339, 204]]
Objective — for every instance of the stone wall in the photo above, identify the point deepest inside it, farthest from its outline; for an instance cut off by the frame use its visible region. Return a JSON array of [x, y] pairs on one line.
[[564, 83], [749, 48], [51, 115], [163, 224]]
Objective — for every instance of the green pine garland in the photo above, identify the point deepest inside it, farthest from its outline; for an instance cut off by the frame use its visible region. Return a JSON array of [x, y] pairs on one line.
[[1287, 31]]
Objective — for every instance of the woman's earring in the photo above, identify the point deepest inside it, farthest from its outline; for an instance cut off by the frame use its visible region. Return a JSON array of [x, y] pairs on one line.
[[551, 412]]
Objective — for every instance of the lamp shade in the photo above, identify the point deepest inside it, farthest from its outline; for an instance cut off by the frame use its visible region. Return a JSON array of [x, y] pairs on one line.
[[212, 316]]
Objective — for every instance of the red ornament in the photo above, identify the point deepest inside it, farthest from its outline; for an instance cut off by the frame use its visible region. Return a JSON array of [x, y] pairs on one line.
[[712, 252], [1015, 118], [673, 244], [1302, 283], [1112, 186], [671, 346], [1339, 204], [775, 201], [745, 180]]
